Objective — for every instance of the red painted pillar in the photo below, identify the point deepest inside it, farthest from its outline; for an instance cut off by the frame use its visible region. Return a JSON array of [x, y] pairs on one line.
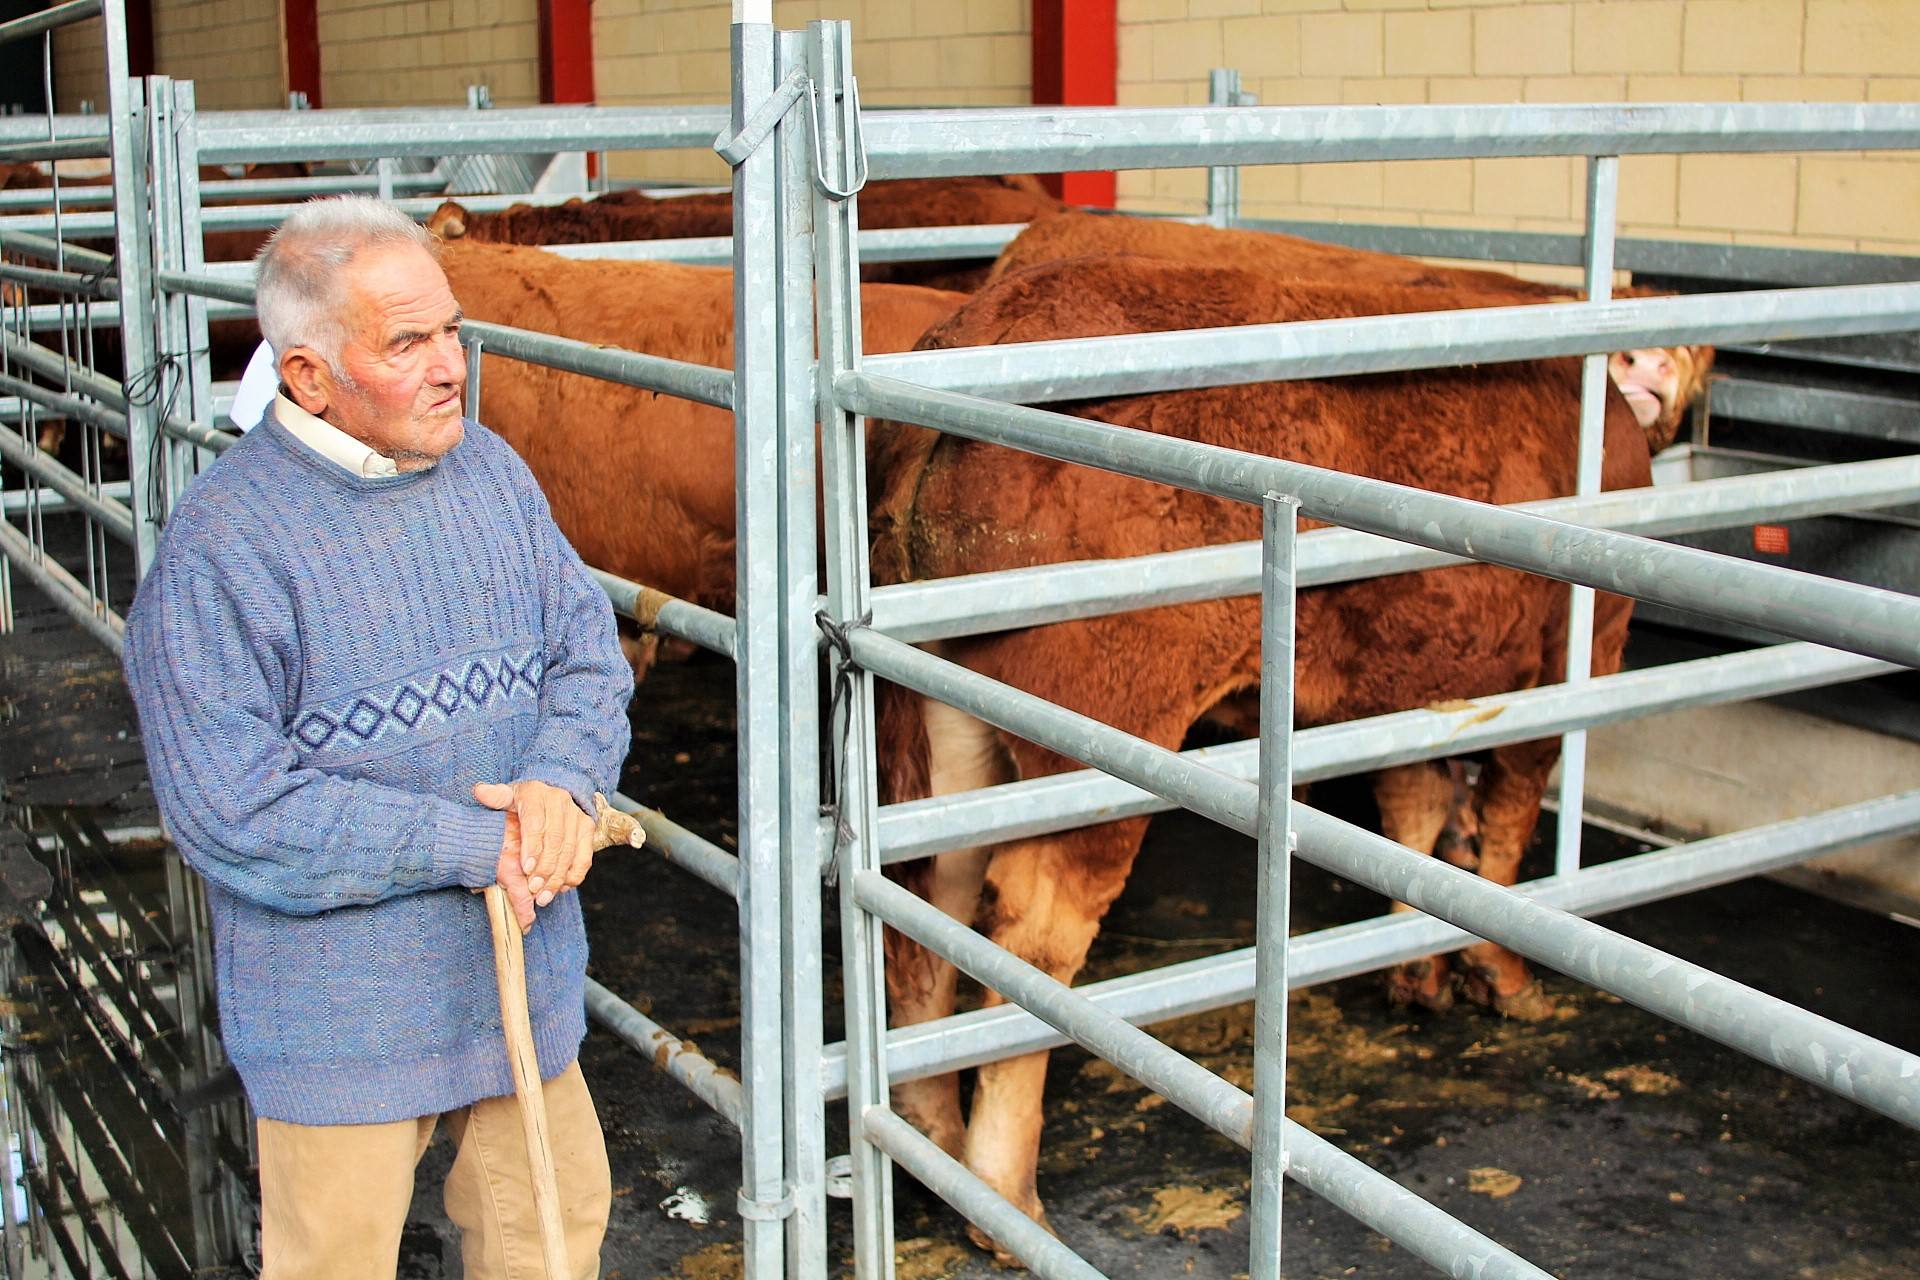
[[1076, 54], [566, 50], [301, 21]]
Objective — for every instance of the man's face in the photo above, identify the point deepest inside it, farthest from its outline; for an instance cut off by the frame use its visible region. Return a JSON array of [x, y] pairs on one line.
[[401, 370]]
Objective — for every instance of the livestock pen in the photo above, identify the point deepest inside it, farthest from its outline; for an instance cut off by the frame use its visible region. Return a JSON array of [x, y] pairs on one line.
[[801, 149]]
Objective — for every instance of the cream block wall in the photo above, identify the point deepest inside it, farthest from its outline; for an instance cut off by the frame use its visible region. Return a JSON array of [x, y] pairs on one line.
[[925, 52], [230, 49], [378, 53], [79, 66], [1459, 51]]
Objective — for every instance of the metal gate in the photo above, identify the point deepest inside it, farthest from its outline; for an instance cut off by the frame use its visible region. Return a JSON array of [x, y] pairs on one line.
[[977, 394]]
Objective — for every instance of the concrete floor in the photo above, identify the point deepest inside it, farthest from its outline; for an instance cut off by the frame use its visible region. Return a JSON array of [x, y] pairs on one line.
[[1601, 1143]]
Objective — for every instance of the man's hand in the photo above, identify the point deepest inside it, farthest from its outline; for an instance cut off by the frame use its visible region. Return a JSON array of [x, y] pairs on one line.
[[548, 838]]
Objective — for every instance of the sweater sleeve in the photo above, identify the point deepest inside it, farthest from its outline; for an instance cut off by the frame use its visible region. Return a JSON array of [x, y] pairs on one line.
[[209, 679], [583, 735]]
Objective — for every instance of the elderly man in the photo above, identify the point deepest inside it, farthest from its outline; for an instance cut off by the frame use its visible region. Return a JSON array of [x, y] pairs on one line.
[[373, 678]]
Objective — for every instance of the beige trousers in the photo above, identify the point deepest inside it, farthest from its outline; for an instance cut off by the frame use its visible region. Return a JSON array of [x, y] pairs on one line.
[[333, 1198]]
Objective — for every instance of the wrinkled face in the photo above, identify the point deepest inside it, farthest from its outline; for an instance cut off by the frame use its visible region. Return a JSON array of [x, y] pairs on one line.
[[401, 371], [1659, 383]]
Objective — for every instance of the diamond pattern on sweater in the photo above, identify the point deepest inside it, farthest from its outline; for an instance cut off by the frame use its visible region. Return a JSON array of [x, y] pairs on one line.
[[471, 685]]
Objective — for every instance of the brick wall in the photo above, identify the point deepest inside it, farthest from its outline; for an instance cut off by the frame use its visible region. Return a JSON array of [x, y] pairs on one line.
[[230, 49], [939, 52], [1443, 51], [378, 53], [79, 66]]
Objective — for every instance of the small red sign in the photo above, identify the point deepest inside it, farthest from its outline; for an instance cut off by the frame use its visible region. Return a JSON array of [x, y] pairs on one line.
[[1770, 539]]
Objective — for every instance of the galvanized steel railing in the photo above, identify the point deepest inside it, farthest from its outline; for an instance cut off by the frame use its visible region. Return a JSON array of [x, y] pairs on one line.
[[1874, 623]]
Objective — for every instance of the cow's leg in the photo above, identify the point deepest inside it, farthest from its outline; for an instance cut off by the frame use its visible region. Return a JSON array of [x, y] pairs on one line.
[[963, 754], [1459, 842], [1044, 901], [1414, 801], [1510, 789]]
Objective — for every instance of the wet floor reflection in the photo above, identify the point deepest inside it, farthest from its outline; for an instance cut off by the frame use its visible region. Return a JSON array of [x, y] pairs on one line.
[[127, 1135]]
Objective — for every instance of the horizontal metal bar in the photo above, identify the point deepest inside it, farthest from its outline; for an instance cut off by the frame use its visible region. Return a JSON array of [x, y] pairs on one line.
[[55, 367], [49, 250], [697, 382], [89, 148], [65, 125], [48, 19], [113, 516], [657, 611], [1039, 1249], [1081, 368], [233, 137], [908, 244], [194, 433], [260, 217], [1818, 1050], [66, 592], [1062, 801], [213, 192], [979, 603], [17, 500], [1849, 413], [1837, 1058], [696, 251], [1797, 606], [1345, 1182], [926, 144], [69, 282], [712, 1084], [704, 859], [61, 404], [1214, 982], [1748, 264]]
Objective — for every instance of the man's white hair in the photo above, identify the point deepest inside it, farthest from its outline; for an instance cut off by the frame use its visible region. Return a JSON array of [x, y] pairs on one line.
[[300, 292]]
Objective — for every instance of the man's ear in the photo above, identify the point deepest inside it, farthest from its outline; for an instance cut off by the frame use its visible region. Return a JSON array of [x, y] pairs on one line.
[[308, 380]]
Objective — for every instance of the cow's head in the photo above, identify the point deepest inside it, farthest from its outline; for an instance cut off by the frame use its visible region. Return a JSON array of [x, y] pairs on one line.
[[449, 221], [1659, 384]]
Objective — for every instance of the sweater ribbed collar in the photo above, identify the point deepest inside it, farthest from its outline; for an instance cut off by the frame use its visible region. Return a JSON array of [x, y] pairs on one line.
[[276, 434]]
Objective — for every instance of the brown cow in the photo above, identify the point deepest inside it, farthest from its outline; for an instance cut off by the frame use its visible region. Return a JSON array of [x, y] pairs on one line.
[[1659, 384], [1496, 433], [634, 215], [641, 483]]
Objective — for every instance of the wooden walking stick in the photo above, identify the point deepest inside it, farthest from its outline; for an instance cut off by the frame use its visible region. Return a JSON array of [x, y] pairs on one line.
[[510, 967]]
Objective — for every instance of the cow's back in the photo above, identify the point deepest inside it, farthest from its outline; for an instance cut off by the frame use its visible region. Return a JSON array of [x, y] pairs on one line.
[[1284, 257], [1495, 433]]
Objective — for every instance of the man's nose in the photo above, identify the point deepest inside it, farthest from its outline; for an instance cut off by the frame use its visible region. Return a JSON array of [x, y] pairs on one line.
[[449, 360]]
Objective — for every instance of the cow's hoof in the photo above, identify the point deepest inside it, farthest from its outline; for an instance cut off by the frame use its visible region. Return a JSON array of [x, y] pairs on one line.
[[1421, 982], [1530, 1003], [1003, 1259], [1458, 852]]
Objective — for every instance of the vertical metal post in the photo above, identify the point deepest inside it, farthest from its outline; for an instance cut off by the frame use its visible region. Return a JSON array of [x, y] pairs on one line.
[[1278, 527], [167, 230], [197, 405], [758, 661], [1223, 181], [805, 1103], [1603, 204], [843, 441], [126, 139], [476, 352]]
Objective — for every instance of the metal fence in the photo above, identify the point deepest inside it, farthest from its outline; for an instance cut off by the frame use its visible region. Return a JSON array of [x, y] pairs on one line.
[[802, 149], [967, 392]]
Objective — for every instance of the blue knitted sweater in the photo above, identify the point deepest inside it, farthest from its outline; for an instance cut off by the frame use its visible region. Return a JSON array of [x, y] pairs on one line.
[[324, 665]]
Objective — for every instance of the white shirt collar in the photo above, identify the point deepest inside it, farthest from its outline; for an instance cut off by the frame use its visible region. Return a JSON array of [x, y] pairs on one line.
[[331, 442]]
